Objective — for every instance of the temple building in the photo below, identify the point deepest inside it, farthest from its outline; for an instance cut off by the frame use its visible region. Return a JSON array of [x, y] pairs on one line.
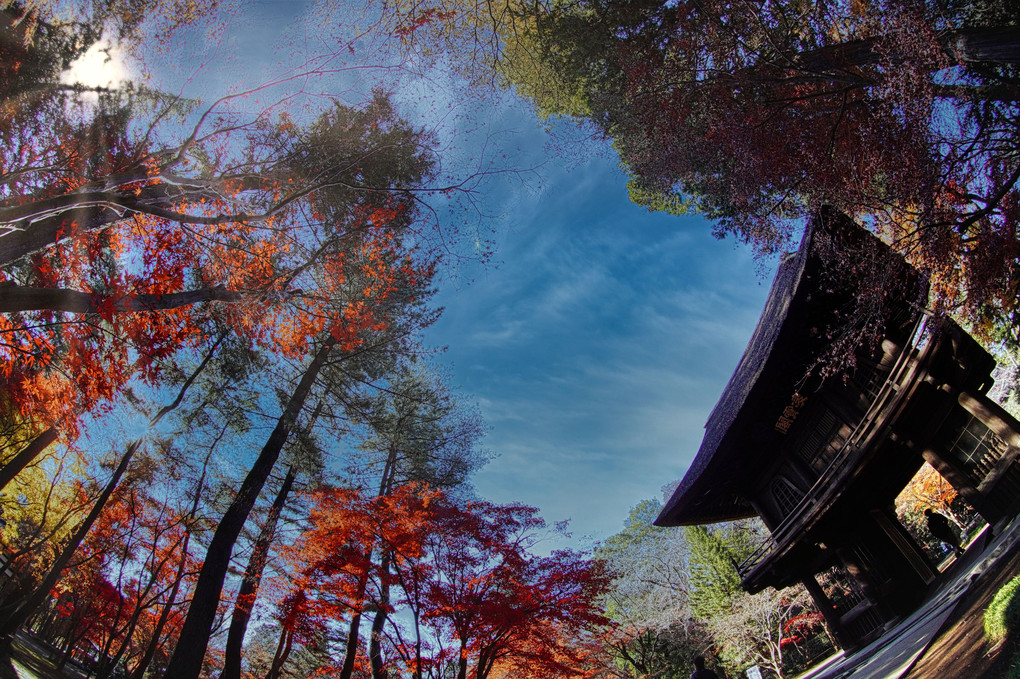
[[821, 453]]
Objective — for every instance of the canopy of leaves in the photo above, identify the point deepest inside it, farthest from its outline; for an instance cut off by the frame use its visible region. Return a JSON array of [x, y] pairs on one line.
[[904, 116]]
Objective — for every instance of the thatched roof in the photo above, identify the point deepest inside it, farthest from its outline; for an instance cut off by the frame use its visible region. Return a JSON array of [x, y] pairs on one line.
[[711, 490]]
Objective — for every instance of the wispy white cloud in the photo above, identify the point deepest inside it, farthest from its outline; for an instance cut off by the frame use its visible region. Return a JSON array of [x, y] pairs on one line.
[[599, 344], [599, 347]]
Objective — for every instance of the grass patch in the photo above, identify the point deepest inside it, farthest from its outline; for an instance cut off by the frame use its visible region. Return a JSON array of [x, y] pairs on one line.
[[1003, 614]]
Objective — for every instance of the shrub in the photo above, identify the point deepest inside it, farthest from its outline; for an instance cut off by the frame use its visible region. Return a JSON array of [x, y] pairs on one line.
[[1003, 613]]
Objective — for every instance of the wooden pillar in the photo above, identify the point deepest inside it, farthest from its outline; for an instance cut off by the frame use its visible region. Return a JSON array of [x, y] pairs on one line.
[[826, 608], [862, 575], [912, 555], [993, 415]]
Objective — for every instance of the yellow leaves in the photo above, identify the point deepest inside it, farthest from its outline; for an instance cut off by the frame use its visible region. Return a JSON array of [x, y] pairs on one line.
[[927, 490]]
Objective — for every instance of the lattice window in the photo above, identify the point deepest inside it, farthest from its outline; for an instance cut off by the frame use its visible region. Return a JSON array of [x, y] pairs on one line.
[[977, 447], [786, 495], [824, 440], [868, 378]]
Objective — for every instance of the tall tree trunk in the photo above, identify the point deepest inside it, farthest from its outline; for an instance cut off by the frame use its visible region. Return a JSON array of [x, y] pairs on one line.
[[250, 584], [44, 222], [969, 45], [986, 45], [27, 454], [186, 661]]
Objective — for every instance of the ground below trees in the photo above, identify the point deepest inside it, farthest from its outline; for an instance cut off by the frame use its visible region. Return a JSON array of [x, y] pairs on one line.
[[960, 648]]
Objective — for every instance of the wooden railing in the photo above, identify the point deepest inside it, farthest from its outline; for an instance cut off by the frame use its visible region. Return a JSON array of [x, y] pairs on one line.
[[900, 374]]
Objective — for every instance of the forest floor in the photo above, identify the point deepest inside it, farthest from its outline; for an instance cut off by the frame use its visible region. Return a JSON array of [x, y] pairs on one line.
[[960, 649], [31, 659]]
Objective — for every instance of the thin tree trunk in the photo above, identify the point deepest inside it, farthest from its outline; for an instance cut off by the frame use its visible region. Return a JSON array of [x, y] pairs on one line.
[[379, 623], [150, 650], [27, 454], [250, 584], [282, 653], [462, 661], [128, 631], [351, 650], [17, 618], [186, 661]]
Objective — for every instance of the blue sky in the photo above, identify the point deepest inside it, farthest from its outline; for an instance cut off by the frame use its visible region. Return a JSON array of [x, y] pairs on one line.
[[601, 337], [597, 346]]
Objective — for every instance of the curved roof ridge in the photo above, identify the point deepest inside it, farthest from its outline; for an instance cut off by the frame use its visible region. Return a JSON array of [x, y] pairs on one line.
[[766, 332]]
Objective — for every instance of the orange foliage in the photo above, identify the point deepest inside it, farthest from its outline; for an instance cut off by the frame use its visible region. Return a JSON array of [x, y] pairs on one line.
[[150, 235], [58, 366], [927, 490], [465, 576]]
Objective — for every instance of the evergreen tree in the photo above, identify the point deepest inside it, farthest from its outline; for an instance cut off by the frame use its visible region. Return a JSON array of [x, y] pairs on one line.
[[713, 573]]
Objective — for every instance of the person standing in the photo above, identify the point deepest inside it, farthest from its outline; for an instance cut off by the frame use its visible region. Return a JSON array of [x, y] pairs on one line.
[[700, 672], [941, 530]]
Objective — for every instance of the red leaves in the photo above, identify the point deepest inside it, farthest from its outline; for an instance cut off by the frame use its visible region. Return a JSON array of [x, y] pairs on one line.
[[62, 366], [274, 222], [464, 573], [801, 627], [407, 26]]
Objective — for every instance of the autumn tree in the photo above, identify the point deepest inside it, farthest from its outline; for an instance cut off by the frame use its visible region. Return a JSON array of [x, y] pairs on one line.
[[388, 284], [417, 432], [41, 511], [232, 212], [261, 273], [25, 608], [480, 600], [133, 556], [757, 115], [468, 593], [928, 490]]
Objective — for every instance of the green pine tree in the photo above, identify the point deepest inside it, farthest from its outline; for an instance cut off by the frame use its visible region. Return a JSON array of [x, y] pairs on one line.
[[714, 577]]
